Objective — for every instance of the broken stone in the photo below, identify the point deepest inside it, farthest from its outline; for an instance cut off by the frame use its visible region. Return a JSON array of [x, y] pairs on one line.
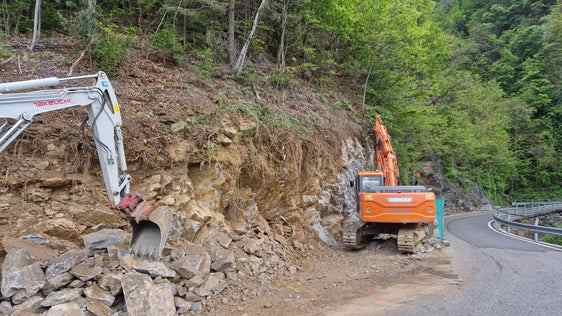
[[111, 283], [222, 260], [76, 284], [144, 298], [19, 272], [38, 252], [253, 246], [215, 284], [192, 227], [192, 297], [6, 308], [182, 306], [86, 271], [154, 268], [222, 139], [67, 309], [61, 297], [98, 308], [94, 292], [104, 238], [60, 227], [19, 297], [57, 281], [65, 262], [195, 281], [189, 266], [32, 304], [196, 307], [223, 239]]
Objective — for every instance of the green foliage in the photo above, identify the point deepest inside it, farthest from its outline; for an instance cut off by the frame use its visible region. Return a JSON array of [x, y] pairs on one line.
[[5, 51], [167, 41], [280, 79], [206, 64], [111, 48]]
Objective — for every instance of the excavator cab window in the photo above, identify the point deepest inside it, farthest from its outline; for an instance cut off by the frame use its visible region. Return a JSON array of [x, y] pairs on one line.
[[370, 183]]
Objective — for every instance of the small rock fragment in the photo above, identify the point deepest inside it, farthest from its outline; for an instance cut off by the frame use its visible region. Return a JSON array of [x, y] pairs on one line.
[[32, 304], [196, 307], [191, 265], [222, 260], [253, 246], [223, 239], [57, 281]]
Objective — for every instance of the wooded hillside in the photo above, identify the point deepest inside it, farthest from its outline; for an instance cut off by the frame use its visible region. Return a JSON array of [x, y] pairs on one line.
[[474, 85]]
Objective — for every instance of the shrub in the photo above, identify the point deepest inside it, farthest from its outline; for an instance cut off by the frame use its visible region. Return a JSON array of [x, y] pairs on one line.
[[111, 49], [167, 41]]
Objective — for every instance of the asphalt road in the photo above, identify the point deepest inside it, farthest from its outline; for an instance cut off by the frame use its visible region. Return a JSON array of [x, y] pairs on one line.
[[497, 276]]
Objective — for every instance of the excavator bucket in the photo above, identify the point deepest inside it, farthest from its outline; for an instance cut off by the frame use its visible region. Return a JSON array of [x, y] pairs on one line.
[[150, 225]]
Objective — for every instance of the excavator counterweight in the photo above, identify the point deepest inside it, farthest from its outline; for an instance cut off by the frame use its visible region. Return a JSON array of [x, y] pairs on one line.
[[22, 101]]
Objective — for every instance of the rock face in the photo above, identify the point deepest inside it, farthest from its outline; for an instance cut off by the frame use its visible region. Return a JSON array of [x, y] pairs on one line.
[[19, 272], [104, 238], [144, 298]]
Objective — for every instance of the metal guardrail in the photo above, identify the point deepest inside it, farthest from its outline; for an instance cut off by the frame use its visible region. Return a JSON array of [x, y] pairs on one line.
[[510, 215]]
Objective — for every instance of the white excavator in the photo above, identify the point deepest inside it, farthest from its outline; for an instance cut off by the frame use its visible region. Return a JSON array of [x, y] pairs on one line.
[[22, 101]]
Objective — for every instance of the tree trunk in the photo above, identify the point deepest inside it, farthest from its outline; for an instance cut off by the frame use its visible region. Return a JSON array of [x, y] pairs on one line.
[[241, 61], [36, 24], [281, 51], [231, 32]]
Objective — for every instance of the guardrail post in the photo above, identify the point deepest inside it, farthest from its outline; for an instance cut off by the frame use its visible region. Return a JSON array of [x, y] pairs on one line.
[[536, 235], [509, 220], [439, 218]]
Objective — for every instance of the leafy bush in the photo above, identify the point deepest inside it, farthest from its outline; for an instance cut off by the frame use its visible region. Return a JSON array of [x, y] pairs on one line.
[[111, 49], [167, 41], [206, 65], [281, 79], [5, 51]]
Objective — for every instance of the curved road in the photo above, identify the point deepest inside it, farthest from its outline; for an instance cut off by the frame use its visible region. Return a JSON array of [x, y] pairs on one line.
[[500, 276]]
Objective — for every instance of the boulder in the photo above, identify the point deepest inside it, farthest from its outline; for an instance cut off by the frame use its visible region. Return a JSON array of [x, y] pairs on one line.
[[19, 272], [94, 292], [67, 309], [144, 298], [61, 297], [65, 262], [104, 238], [98, 308]]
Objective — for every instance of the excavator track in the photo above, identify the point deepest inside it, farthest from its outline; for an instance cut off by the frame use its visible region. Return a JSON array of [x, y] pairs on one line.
[[411, 236], [353, 237]]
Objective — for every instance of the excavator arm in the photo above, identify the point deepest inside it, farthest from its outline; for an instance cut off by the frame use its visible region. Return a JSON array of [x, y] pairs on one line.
[[104, 118], [21, 102], [385, 156]]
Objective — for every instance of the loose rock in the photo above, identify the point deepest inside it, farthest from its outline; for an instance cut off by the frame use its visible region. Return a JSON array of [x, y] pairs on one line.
[[104, 238], [98, 308], [67, 309], [65, 262], [222, 260], [154, 268], [112, 283], [214, 285], [86, 271], [19, 272], [192, 265], [57, 281], [61, 297], [6, 308], [94, 292], [143, 298], [182, 306]]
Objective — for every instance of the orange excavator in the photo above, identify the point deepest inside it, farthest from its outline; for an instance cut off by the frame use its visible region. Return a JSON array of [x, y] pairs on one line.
[[386, 207]]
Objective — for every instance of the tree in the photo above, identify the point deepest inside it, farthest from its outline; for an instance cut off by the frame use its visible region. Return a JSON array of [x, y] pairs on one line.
[[241, 61], [36, 24]]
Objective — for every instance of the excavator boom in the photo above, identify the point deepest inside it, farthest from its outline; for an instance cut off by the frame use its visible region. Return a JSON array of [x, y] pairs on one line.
[[21, 102], [384, 154]]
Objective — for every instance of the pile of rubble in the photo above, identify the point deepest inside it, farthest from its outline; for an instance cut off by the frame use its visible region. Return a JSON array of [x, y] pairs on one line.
[[104, 279]]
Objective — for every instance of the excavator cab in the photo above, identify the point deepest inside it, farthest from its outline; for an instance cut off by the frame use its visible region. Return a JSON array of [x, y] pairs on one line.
[[369, 181]]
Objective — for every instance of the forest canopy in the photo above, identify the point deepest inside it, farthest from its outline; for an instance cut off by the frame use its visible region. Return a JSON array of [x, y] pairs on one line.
[[472, 84]]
